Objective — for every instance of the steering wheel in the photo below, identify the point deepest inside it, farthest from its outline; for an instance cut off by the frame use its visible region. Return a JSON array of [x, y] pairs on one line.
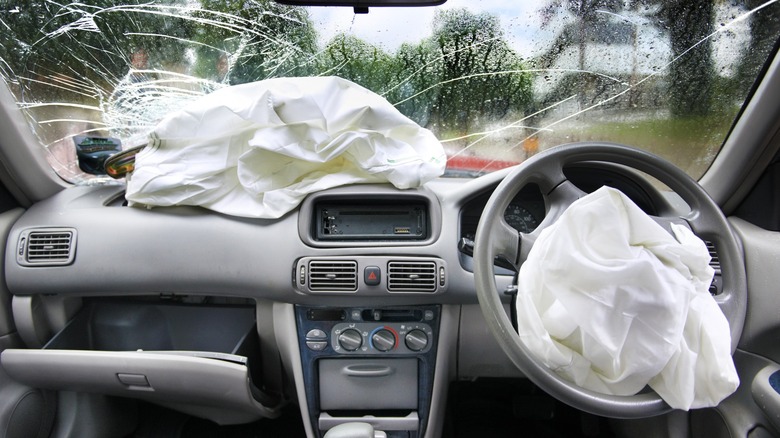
[[496, 238]]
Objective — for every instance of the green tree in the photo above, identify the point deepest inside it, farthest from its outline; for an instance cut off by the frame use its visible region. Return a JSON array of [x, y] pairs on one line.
[[465, 75], [688, 24], [414, 91], [351, 58], [594, 23], [482, 75], [254, 39], [52, 49], [590, 17]]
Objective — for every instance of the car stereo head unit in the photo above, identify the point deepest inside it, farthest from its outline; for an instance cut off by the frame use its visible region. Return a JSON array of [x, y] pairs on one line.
[[371, 220]]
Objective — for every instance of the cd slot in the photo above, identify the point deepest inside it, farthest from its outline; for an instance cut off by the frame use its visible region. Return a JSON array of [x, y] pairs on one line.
[[371, 220], [392, 315]]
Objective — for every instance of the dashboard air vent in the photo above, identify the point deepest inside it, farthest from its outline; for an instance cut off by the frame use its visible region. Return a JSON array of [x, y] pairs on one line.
[[714, 261], [46, 247], [717, 281], [333, 275], [411, 276]]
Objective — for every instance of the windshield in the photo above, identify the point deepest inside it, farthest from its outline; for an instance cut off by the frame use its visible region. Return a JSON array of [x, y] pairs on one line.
[[495, 81]]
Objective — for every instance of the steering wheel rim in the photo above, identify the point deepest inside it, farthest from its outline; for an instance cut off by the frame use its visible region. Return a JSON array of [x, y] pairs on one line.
[[495, 238]]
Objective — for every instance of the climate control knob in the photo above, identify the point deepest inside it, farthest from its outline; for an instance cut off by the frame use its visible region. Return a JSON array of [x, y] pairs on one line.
[[350, 339], [416, 340], [383, 340]]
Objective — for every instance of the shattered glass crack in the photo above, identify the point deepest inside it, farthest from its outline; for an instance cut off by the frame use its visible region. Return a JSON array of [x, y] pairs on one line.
[[491, 85]]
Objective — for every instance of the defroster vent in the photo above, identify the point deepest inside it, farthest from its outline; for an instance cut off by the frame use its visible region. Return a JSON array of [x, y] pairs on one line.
[[333, 275], [47, 247], [411, 276]]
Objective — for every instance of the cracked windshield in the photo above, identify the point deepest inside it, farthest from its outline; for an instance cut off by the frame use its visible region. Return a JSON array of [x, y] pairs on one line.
[[495, 81]]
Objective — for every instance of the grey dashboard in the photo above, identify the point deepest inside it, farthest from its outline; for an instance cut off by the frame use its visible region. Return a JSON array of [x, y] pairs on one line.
[[111, 249]]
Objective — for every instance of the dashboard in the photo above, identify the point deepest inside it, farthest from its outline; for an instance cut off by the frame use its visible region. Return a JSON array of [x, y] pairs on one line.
[[190, 250], [359, 280]]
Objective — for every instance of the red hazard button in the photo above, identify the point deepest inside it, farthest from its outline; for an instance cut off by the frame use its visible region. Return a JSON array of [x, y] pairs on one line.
[[372, 275]]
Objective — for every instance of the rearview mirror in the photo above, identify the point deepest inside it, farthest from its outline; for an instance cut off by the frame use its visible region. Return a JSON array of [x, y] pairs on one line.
[[362, 5]]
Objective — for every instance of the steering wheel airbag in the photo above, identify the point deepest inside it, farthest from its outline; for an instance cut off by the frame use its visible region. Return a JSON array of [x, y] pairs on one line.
[[611, 301]]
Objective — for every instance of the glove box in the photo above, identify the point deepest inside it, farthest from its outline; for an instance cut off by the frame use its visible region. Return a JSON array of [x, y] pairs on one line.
[[193, 358]]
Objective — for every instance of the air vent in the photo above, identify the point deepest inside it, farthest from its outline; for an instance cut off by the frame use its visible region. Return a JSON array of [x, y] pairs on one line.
[[411, 276], [46, 247], [715, 260], [717, 281], [333, 275]]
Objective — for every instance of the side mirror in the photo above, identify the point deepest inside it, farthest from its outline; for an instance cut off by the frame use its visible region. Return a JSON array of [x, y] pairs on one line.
[[92, 152]]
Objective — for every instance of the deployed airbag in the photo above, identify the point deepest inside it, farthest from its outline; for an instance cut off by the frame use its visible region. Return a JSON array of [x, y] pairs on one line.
[[612, 302], [257, 149]]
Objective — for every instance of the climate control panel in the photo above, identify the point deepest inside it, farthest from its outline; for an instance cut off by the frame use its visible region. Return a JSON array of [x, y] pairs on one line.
[[328, 331], [364, 337], [387, 338]]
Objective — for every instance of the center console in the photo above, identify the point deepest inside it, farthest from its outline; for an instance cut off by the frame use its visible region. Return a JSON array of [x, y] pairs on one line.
[[370, 365]]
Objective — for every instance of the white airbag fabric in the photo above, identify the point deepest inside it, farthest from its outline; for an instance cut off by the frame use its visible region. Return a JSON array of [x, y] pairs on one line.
[[257, 149], [612, 302]]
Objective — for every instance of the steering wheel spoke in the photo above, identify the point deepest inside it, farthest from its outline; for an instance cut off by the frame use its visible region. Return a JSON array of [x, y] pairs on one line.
[[559, 200], [506, 243], [666, 222]]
